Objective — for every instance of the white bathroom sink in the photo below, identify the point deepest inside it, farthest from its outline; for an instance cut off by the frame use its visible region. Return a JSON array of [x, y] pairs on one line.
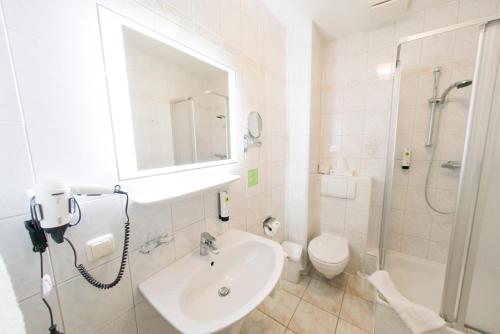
[[186, 293]]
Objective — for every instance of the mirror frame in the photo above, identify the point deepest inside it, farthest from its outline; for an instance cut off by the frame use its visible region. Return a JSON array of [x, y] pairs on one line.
[[119, 98]]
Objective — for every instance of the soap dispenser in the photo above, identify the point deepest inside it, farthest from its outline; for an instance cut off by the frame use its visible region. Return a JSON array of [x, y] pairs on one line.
[[223, 206]]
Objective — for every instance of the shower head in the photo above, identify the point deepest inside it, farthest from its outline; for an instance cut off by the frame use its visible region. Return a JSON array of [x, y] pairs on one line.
[[458, 85], [463, 83]]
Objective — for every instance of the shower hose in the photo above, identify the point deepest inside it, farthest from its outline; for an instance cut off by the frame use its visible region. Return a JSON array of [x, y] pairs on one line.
[[427, 177]]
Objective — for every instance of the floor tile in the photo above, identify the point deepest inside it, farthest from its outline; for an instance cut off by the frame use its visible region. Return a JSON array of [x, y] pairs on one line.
[[324, 296], [259, 323], [309, 319], [358, 312], [296, 289], [343, 327], [360, 287], [281, 307], [339, 281]]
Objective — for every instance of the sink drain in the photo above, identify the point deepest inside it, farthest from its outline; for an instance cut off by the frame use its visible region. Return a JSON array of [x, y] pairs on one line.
[[224, 291]]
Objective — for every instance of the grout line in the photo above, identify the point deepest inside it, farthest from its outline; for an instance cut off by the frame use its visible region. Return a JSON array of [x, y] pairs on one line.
[[341, 303], [293, 314], [115, 319], [296, 307], [344, 292], [129, 267]]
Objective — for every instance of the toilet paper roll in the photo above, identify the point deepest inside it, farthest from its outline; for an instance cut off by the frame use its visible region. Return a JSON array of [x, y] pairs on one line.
[[271, 227]]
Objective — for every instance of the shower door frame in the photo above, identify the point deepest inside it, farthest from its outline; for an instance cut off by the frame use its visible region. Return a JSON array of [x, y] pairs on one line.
[[486, 101], [452, 305]]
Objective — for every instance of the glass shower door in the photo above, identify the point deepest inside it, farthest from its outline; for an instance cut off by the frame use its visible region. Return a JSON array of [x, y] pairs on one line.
[[434, 82], [441, 220], [473, 301]]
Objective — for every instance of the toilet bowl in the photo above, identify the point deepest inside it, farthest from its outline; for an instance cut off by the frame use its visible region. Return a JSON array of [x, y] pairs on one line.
[[329, 254]]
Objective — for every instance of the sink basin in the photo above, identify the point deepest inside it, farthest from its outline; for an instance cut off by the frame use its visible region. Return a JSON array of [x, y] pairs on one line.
[[211, 294]]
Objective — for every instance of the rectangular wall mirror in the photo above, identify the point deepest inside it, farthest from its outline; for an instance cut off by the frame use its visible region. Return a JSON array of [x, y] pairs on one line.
[[172, 108]]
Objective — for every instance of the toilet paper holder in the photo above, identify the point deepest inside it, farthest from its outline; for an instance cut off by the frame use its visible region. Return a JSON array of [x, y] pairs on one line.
[[270, 225]]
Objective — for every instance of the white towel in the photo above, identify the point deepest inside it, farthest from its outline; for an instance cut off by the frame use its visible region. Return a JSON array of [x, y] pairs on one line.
[[418, 318], [11, 317]]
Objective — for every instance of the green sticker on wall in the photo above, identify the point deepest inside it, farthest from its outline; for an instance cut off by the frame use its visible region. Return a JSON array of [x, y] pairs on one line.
[[253, 177]]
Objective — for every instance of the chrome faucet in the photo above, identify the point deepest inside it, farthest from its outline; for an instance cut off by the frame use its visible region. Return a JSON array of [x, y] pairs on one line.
[[207, 243]]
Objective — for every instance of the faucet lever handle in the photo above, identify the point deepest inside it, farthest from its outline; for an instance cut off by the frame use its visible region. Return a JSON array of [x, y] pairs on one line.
[[208, 237]]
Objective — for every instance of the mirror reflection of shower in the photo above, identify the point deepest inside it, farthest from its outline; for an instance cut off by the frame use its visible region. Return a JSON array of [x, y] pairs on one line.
[[200, 127], [435, 102]]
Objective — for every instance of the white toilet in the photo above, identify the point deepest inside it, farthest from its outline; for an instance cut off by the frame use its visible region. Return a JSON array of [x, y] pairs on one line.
[[329, 254]]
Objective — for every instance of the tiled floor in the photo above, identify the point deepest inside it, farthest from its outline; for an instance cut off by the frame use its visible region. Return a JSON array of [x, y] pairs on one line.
[[316, 305]]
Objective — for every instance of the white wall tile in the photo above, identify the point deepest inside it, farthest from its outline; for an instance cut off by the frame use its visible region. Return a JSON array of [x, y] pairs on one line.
[[250, 29], [207, 14], [99, 217], [394, 241], [374, 146], [187, 211], [211, 202], [124, 324], [183, 6], [399, 194], [355, 44], [441, 228], [437, 49], [215, 226], [142, 266], [188, 238], [418, 224], [77, 112], [414, 246], [86, 309], [15, 165], [415, 199], [333, 216], [438, 251], [397, 220], [9, 105], [36, 315], [149, 321], [149, 221], [381, 38], [237, 216], [441, 16], [356, 220], [22, 263], [411, 25]]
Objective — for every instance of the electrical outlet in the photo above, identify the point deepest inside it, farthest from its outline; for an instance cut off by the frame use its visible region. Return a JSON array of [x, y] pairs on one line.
[[100, 247]]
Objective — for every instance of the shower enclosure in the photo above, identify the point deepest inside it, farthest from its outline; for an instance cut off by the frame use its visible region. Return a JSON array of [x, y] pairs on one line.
[[200, 128], [444, 117]]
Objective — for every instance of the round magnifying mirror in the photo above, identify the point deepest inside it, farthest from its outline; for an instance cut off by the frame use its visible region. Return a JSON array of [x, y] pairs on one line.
[[254, 125]]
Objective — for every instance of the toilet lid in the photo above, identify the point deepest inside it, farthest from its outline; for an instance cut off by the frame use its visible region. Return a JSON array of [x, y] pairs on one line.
[[329, 248]]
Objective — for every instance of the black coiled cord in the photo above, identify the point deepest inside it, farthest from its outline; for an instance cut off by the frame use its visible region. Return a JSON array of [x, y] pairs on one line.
[[84, 272]]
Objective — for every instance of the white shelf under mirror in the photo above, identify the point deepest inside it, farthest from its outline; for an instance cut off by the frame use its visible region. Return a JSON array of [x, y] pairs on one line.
[[167, 188]]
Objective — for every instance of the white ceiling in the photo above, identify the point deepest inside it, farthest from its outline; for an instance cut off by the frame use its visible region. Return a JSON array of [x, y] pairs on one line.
[[336, 18]]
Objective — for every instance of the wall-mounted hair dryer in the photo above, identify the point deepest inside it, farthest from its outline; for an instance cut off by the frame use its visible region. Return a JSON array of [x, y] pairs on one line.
[[54, 204], [53, 207]]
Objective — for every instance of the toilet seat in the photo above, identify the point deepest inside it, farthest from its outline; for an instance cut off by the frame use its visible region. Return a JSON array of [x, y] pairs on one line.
[[329, 249]]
